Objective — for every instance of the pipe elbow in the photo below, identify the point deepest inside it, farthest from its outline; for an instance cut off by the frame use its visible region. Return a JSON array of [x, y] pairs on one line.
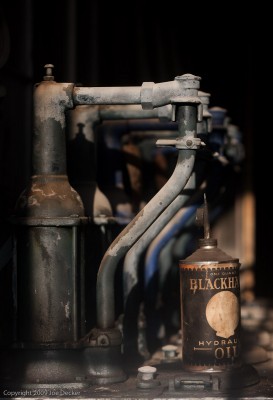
[[160, 94]]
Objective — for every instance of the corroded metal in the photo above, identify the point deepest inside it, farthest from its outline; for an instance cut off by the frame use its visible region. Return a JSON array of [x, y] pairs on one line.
[[49, 215], [48, 246], [48, 222]]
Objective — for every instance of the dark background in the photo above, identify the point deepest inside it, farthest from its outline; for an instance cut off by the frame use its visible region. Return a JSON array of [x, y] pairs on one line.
[[101, 43]]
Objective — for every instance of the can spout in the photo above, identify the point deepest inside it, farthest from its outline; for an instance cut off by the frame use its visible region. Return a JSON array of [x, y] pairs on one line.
[[202, 219]]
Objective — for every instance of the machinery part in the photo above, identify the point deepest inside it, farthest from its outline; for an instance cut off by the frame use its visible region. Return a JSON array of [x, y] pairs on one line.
[[186, 115], [49, 268], [49, 215], [146, 377]]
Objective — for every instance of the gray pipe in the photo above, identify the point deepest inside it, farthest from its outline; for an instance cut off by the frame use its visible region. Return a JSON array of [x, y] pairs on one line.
[[187, 122], [130, 266], [150, 95], [131, 260], [134, 111]]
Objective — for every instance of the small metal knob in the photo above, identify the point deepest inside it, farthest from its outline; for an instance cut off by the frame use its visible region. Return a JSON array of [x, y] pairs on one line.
[[169, 351], [147, 372], [146, 377], [48, 72]]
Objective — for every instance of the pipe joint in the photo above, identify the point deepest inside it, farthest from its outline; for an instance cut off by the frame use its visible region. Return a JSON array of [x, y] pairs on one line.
[[146, 95], [184, 89]]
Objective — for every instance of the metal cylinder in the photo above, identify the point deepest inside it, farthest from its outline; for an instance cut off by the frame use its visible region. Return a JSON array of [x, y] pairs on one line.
[[210, 308], [49, 293]]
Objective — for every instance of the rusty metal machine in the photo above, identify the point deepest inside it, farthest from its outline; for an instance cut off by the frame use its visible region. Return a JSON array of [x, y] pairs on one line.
[[67, 342]]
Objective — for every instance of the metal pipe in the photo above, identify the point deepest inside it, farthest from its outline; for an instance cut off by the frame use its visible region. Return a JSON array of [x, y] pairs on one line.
[[130, 265], [130, 273], [107, 95], [134, 111], [132, 298], [171, 229], [187, 122], [105, 292], [149, 95]]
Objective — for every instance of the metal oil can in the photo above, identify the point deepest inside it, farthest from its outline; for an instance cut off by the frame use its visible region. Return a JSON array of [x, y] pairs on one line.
[[211, 315], [210, 308]]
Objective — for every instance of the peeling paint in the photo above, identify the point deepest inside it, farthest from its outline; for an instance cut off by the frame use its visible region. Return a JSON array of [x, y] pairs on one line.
[[66, 309], [52, 193], [32, 201], [52, 104]]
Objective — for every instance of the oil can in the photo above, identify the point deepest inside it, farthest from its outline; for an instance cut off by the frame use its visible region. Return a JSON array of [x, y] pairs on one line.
[[210, 308]]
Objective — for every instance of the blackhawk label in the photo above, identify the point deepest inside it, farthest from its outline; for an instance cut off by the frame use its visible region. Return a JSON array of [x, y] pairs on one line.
[[210, 311]]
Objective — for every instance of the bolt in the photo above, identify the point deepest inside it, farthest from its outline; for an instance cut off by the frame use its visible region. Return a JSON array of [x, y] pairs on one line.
[[48, 72], [146, 373], [103, 340], [189, 143]]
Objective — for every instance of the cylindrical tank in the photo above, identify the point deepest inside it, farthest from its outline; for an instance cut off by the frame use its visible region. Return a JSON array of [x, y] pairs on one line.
[[49, 213]]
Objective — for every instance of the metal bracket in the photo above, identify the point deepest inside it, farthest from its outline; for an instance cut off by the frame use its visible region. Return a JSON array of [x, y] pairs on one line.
[[196, 382], [175, 101], [181, 143]]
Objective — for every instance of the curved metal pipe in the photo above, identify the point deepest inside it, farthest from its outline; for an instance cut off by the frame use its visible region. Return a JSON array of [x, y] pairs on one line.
[[105, 290], [187, 122], [171, 229], [130, 266]]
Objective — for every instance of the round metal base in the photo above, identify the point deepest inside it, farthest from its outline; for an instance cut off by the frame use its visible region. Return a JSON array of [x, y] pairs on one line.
[[60, 368]]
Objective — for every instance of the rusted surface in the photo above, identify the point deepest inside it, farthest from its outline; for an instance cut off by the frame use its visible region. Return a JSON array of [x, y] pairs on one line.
[[49, 196], [51, 99]]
